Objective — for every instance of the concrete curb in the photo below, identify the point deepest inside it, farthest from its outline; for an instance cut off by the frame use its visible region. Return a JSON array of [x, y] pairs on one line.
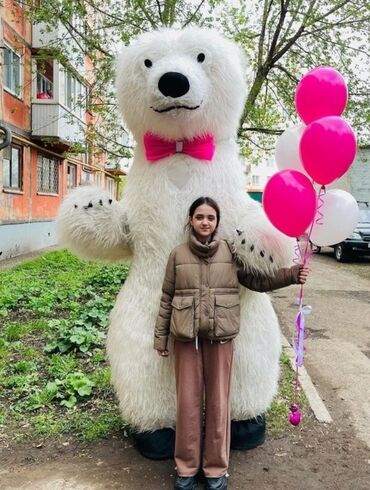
[[18, 259], [319, 409]]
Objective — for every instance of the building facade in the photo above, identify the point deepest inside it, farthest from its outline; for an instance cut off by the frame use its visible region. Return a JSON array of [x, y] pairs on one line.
[[257, 177], [43, 103], [357, 180]]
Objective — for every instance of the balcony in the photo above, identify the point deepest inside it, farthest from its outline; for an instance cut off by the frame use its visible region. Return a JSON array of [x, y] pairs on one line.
[[46, 37], [43, 37], [51, 119]]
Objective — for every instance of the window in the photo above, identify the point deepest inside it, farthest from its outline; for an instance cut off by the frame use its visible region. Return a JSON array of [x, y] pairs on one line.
[[12, 71], [74, 95], [45, 77], [12, 167], [87, 177], [71, 176], [99, 179], [47, 174], [110, 186], [255, 179]]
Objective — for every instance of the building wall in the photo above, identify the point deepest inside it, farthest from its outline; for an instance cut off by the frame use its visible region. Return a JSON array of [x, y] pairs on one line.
[[258, 175], [27, 215], [357, 180]]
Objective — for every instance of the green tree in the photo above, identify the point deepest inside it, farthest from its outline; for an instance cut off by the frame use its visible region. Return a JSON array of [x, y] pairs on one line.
[[282, 40]]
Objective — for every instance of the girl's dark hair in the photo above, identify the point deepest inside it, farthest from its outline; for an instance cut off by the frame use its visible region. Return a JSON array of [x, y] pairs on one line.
[[205, 200]]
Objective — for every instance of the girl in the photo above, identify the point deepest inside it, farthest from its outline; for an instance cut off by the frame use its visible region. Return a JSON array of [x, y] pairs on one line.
[[200, 308]]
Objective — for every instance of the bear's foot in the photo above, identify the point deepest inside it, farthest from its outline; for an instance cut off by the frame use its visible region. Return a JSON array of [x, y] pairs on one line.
[[248, 434], [159, 444]]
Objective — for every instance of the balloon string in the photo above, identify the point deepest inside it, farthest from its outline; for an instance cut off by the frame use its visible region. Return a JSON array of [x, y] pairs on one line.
[[305, 259], [320, 203], [297, 254]]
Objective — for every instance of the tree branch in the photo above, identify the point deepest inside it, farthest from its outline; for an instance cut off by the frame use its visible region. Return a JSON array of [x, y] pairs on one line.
[[329, 12], [159, 10], [266, 11], [283, 69], [146, 14], [283, 12], [193, 14], [264, 130]]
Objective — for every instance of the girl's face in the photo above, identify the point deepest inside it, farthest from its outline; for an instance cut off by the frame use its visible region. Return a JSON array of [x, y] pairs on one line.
[[204, 222]]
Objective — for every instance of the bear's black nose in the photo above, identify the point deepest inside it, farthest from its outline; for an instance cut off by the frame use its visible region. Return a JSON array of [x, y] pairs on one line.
[[173, 84]]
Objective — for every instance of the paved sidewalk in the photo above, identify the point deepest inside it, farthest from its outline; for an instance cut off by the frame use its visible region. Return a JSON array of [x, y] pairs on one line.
[[12, 262]]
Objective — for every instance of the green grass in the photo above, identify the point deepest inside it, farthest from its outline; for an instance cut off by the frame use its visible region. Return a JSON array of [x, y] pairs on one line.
[[278, 414], [54, 378]]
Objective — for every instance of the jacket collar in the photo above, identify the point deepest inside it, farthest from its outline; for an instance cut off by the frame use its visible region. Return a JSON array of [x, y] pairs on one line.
[[203, 250]]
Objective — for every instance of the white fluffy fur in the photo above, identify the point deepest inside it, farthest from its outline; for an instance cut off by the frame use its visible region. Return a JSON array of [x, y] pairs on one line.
[[155, 205], [97, 232]]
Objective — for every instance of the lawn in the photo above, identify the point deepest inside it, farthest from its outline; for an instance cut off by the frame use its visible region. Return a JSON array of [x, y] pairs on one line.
[[54, 377]]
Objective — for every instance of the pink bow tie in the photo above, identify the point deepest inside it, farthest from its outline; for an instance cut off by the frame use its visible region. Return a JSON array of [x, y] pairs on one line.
[[156, 147]]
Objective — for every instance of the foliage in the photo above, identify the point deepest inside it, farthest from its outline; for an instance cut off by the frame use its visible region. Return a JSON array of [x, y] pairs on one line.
[[282, 40], [52, 332], [66, 390], [278, 413]]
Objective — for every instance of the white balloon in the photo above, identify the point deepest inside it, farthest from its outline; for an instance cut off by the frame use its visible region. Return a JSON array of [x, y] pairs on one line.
[[287, 149], [340, 217]]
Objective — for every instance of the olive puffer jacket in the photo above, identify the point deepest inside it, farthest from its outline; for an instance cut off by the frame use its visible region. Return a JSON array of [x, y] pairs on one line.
[[200, 294]]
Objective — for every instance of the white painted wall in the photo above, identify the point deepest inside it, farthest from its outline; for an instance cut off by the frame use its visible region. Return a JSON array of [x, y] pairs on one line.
[[258, 175], [21, 238], [357, 180]]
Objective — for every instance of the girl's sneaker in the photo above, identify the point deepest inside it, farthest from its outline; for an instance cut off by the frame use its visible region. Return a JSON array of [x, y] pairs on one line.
[[216, 483], [185, 483]]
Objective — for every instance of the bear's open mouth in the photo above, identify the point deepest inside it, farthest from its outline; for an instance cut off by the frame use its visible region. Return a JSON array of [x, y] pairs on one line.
[[172, 107]]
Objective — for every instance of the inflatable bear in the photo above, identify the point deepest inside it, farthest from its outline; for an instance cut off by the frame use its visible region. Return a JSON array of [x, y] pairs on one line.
[[181, 94]]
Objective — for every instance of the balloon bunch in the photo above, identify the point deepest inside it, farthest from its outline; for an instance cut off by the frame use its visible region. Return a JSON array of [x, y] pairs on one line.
[[317, 151]]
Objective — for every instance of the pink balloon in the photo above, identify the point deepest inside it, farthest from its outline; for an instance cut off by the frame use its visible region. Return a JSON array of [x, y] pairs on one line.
[[327, 149], [289, 201], [321, 92]]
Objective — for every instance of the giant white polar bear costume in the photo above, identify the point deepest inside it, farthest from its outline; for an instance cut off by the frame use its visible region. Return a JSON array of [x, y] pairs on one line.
[[178, 84]]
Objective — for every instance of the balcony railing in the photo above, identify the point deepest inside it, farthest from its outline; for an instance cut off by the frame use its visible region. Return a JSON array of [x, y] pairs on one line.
[[54, 120]]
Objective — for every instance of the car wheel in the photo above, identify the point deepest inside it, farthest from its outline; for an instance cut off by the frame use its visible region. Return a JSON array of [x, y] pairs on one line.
[[340, 254], [316, 249]]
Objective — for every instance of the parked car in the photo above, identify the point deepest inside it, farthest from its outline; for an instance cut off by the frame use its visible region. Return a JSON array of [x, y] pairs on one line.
[[359, 242]]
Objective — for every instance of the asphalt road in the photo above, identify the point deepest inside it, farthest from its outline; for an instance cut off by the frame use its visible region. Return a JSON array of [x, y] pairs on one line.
[[338, 347]]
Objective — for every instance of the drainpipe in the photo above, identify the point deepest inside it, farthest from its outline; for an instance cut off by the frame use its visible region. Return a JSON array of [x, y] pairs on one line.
[[5, 135]]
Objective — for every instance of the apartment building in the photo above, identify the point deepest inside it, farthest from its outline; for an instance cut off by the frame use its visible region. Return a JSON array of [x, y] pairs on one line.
[[43, 103], [258, 175]]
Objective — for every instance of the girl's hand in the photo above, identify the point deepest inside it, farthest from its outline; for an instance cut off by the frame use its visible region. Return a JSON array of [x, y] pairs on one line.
[[163, 353], [303, 274]]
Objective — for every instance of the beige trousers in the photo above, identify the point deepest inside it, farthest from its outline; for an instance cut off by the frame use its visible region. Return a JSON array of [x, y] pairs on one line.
[[206, 371]]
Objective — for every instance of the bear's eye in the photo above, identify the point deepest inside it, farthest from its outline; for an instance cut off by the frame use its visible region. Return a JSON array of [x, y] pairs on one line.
[[201, 57], [148, 63]]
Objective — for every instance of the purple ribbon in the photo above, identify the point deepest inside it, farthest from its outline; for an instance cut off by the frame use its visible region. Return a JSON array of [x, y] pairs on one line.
[[298, 339]]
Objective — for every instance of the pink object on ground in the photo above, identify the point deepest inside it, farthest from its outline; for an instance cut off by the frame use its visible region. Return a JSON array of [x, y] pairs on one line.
[[295, 417]]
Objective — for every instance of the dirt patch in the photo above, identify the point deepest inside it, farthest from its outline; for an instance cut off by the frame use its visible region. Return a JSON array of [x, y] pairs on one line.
[[314, 457]]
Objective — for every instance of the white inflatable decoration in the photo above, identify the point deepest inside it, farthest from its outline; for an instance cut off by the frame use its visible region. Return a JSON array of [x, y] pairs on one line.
[[178, 85], [337, 207], [287, 149]]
